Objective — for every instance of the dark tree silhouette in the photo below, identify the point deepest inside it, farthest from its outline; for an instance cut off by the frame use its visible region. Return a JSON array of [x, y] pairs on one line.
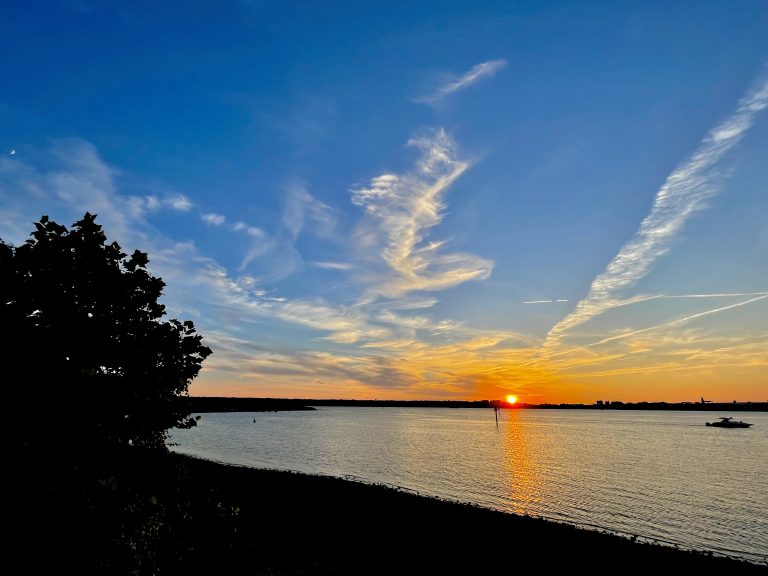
[[89, 363]]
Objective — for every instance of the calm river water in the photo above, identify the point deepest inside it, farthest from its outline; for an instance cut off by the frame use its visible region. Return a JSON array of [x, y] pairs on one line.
[[661, 475]]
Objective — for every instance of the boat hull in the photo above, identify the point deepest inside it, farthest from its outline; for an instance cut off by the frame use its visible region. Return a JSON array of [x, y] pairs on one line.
[[729, 424]]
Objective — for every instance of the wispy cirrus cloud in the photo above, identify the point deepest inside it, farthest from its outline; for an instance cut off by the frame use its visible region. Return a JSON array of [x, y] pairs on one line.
[[213, 219], [345, 375], [332, 265], [70, 173], [392, 340], [301, 208], [179, 202], [696, 351], [356, 349], [410, 366], [67, 177], [243, 298], [277, 250], [684, 192], [141, 206], [455, 84], [254, 231], [401, 210]]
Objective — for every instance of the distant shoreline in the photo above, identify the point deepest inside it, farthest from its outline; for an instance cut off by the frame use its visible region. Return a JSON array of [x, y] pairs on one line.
[[210, 404]]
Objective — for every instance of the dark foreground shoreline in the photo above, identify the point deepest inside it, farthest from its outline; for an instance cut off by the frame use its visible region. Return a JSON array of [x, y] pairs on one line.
[[330, 525], [182, 515]]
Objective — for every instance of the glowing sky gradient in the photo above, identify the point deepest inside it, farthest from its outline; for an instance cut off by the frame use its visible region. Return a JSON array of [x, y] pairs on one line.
[[561, 201]]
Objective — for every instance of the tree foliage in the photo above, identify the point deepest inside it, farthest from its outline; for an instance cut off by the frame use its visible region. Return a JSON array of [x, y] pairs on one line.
[[92, 363]]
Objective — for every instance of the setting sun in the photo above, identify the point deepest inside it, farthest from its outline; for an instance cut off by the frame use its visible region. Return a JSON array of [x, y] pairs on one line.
[[511, 399]]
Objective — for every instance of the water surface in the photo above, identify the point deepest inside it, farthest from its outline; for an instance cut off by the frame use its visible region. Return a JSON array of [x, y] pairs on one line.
[[660, 475]]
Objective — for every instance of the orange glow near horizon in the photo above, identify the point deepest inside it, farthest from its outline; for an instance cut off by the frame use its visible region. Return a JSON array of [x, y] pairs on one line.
[[511, 399], [670, 368]]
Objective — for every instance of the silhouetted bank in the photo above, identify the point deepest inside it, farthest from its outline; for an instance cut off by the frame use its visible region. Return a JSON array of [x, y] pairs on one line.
[[200, 404], [172, 514], [685, 406], [204, 404]]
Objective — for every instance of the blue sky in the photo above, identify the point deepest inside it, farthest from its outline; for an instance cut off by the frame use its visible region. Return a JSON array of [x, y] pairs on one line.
[[566, 201]]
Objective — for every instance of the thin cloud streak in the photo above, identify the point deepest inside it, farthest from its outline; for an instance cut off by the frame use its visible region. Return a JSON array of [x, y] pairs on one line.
[[715, 295], [678, 321], [637, 300], [479, 71], [682, 194], [332, 265]]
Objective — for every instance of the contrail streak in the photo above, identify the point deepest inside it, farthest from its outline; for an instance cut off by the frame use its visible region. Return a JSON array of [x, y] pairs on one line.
[[639, 299], [715, 295], [676, 322], [683, 193]]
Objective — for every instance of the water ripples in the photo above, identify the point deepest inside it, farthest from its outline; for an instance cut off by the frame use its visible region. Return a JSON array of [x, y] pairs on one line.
[[661, 476]]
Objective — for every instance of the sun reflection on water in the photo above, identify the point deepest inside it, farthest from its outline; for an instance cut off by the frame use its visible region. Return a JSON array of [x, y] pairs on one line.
[[522, 478]]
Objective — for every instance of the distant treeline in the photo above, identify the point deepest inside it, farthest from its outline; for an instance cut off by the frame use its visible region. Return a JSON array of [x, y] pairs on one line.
[[219, 404], [405, 403], [697, 406]]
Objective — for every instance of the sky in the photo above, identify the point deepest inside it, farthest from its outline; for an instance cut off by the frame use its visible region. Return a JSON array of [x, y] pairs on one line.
[[566, 201]]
